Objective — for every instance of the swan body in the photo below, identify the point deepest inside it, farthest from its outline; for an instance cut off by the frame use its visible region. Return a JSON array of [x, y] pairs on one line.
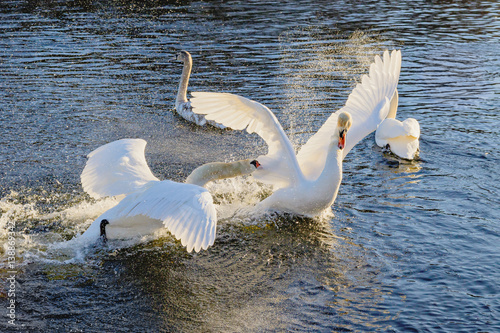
[[308, 183], [310, 197], [186, 210], [401, 137], [182, 104]]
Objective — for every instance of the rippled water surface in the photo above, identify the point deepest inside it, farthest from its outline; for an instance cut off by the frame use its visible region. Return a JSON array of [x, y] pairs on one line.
[[410, 247]]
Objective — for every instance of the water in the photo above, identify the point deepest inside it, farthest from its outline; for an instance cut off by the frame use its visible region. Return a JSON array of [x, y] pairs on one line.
[[410, 247]]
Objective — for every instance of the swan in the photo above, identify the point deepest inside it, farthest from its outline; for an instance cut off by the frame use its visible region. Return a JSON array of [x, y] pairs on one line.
[[308, 183], [182, 104], [401, 137], [186, 210]]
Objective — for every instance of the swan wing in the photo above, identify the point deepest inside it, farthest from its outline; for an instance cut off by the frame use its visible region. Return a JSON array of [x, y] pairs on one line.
[[368, 104], [116, 168], [279, 165], [394, 105], [186, 210]]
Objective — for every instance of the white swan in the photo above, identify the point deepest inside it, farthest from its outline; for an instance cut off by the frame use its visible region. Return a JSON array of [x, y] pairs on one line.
[[308, 183], [182, 105], [186, 210], [400, 137]]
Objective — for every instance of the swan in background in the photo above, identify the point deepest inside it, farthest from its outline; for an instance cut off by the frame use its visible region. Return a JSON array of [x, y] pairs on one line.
[[186, 210], [307, 183], [400, 137], [182, 105]]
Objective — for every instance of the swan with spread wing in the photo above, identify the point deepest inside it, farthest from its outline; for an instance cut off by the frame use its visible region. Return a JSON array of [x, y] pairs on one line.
[[308, 183], [186, 210]]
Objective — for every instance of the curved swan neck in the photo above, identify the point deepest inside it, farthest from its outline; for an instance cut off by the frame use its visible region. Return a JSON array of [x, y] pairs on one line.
[[219, 170], [331, 176], [393, 109], [183, 84]]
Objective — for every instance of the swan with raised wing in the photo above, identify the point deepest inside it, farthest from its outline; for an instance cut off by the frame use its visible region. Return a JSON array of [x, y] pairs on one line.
[[401, 137], [182, 104], [308, 183], [186, 210]]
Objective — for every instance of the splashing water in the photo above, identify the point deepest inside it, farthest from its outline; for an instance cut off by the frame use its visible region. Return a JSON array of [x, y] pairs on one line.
[[323, 77], [39, 229]]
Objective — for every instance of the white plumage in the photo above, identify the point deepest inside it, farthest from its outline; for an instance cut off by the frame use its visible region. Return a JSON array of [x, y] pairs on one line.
[[117, 168], [402, 138], [120, 168], [239, 113], [182, 104], [308, 184], [186, 210], [368, 105]]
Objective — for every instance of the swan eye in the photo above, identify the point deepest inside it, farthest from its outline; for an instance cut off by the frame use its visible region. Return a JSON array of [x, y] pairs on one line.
[[255, 163]]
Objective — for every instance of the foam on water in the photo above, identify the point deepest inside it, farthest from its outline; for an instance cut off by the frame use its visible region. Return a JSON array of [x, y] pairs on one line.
[[38, 231], [51, 234]]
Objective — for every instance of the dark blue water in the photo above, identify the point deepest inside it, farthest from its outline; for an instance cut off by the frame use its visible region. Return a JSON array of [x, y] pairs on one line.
[[412, 247]]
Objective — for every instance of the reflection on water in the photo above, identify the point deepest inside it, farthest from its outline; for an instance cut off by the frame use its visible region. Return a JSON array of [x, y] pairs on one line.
[[403, 236]]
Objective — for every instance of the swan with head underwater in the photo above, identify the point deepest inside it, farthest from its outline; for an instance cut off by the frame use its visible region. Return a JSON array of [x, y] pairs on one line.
[[149, 205], [308, 183], [401, 137], [182, 104]]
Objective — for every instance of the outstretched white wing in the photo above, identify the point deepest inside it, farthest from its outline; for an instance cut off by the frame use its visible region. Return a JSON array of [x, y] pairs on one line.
[[279, 166], [187, 211], [116, 168], [368, 104]]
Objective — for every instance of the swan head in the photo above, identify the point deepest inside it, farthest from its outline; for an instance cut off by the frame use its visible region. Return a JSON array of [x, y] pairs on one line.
[[183, 56], [248, 166], [344, 122], [255, 163], [245, 167]]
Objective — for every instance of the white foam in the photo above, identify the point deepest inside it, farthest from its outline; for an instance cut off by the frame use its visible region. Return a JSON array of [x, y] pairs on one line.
[[22, 213], [58, 240], [235, 195]]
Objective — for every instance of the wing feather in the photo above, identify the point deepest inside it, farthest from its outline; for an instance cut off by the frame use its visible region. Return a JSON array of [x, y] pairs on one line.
[[279, 165], [187, 211], [368, 105], [116, 168]]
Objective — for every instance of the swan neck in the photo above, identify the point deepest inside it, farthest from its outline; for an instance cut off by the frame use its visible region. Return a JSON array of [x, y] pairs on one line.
[[183, 84], [331, 176], [393, 108], [218, 170]]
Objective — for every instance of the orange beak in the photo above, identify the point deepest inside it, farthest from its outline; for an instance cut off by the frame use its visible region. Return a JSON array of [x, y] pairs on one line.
[[342, 139]]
